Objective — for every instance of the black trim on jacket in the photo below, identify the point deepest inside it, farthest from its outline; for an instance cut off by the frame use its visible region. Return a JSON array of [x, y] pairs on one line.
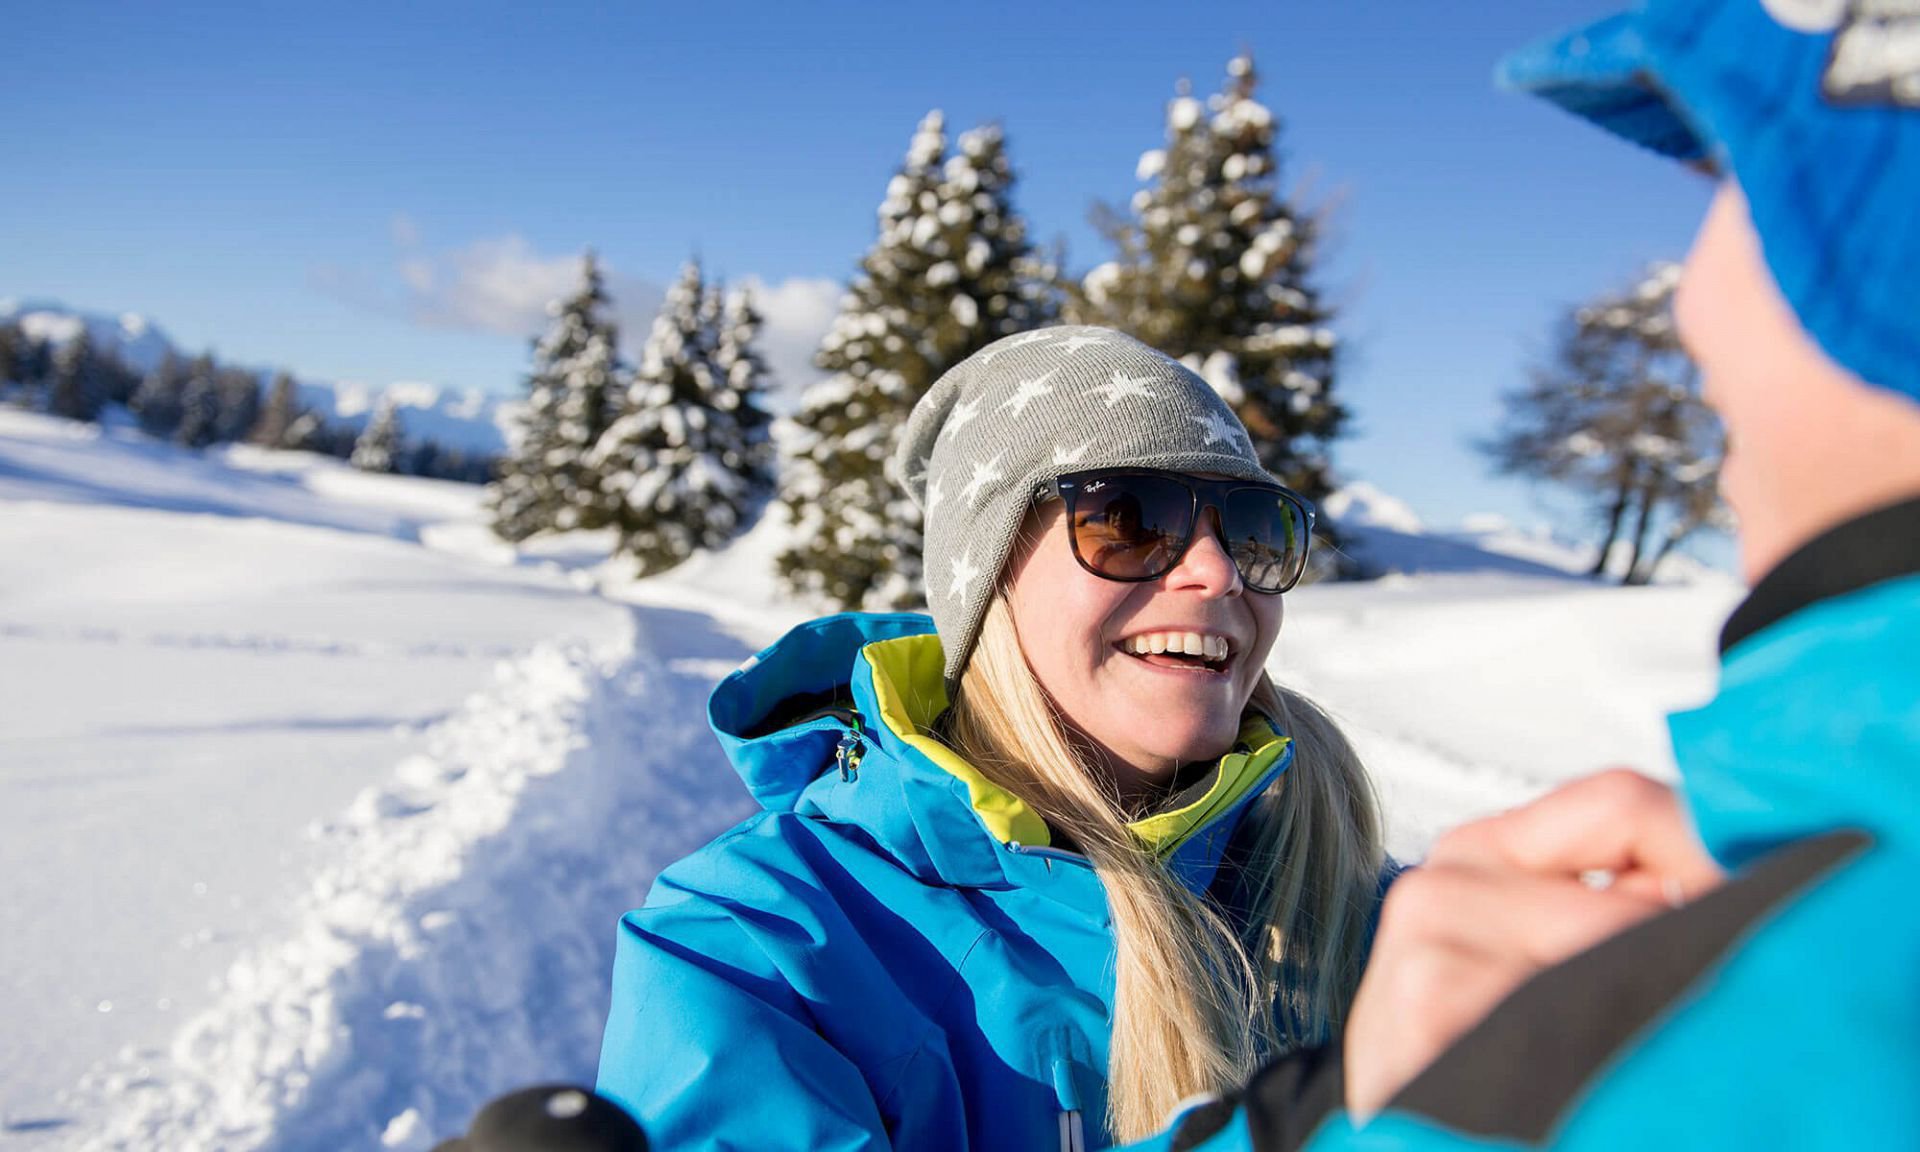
[[1881, 545], [1516, 1074]]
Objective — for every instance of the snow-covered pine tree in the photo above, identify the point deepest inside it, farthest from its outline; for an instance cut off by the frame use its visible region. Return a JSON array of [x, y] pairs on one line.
[[545, 483], [1214, 267], [1615, 414], [675, 463], [743, 385], [378, 446], [951, 271], [199, 421], [275, 425], [75, 390]]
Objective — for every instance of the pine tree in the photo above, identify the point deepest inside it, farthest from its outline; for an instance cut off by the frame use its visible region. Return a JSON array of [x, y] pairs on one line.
[[1213, 267], [158, 402], [199, 405], [743, 386], [75, 392], [239, 391], [378, 447], [33, 364], [274, 427], [951, 271], [1615, 414], [11, 339], [547, 484], [675, 462]]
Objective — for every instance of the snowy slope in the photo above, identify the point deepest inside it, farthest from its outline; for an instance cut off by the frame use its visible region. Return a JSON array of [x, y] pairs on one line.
[[359, 794]]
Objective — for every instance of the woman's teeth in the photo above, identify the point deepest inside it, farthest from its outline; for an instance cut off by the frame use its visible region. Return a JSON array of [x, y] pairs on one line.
[[1210, 648]]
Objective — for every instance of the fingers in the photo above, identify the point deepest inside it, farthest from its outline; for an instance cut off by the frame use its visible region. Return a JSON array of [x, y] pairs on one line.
[[1616, 821], [1538, 920], [1408, 1012], [1454, 941]]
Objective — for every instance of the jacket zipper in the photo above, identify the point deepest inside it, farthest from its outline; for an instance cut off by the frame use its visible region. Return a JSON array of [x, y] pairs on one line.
[[1048, 854], [1073, 1135], [1073, 1132]]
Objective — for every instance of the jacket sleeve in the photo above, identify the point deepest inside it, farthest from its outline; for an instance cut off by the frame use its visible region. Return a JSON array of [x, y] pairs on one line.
[[709, 1044]]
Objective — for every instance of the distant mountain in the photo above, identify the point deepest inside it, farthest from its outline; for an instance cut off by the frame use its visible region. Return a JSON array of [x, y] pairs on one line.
[[138, 340], [464, 419]]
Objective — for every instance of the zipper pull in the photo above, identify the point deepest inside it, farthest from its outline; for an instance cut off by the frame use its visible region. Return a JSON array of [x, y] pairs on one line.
[[848, 752]]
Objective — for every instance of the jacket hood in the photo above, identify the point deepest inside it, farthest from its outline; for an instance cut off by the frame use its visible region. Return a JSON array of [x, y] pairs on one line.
[[833, 721]]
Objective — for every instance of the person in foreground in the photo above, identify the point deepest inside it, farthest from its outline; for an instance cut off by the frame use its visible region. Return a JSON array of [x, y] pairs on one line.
[[1507, 1003], [1033, 871]]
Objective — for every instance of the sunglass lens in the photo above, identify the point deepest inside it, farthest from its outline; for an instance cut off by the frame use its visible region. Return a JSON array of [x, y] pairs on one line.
[[1267, 536], [1131, 527]]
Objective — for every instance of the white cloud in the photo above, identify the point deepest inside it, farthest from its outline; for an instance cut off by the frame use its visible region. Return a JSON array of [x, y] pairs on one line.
[[504, 285], [493, 285]]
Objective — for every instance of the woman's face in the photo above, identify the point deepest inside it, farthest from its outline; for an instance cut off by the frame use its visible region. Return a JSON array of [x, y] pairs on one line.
[[1148, 713]]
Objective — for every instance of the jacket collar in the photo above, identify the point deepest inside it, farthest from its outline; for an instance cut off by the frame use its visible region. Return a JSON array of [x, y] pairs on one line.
[[1880, 545], [870, 687]]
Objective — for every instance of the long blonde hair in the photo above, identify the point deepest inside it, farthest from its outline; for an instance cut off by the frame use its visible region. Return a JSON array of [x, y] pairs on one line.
[[1198, 1005]]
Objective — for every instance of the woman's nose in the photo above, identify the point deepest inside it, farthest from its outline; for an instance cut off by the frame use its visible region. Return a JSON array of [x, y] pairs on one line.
[[1207, 566]]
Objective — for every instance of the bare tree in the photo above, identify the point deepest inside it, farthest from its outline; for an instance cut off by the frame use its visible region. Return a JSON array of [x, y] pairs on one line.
[[1614, 413]]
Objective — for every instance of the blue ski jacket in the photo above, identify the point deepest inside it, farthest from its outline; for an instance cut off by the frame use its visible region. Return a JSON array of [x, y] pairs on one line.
[[891, 954], [1782, 1010]]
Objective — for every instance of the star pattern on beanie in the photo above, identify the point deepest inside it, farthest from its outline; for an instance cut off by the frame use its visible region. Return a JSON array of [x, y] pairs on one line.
[[983, 474], [961, 575], [1025, 394], [1217, 428], [963, 415], [1021, 341], [1121, 387], [935, 494], [1073, 344], [1066, 457]]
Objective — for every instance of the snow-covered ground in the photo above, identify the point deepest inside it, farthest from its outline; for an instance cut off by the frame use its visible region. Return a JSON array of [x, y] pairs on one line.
[[318, 806]]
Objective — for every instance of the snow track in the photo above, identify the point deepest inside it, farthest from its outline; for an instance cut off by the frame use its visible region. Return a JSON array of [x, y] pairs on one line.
[[461, 942]]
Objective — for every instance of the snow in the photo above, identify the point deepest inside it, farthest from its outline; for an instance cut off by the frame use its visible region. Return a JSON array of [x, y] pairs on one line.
[[1361, 504], [318, 805]]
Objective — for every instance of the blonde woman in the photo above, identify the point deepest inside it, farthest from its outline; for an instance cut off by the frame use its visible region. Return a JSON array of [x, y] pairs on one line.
[[1031, 876]]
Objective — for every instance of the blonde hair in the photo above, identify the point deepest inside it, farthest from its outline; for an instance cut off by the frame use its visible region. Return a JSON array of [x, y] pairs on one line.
[[1198, 1005]]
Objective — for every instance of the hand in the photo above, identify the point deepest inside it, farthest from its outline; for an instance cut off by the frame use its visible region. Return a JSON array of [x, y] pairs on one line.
[[1502, 898]]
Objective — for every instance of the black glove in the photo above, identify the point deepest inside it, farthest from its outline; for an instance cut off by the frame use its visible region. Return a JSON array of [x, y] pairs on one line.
[[550, 1118]]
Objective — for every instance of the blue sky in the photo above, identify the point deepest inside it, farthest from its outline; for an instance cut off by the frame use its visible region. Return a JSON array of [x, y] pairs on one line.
[[385, 192]]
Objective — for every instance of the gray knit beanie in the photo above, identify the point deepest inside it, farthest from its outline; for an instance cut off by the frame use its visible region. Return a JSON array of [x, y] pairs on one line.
[[1026, 409]]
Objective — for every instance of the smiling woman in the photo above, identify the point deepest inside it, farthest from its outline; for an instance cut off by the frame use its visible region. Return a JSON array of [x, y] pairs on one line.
[[1051, 868]]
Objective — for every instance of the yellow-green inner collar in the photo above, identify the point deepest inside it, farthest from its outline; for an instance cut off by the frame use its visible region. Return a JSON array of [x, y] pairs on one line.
[[910, 688]]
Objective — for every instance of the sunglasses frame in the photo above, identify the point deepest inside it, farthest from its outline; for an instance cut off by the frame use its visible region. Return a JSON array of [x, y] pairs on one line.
[[1203, 494]]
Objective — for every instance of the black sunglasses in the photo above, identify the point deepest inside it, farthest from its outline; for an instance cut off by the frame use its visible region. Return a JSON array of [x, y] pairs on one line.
[[1134, 524]]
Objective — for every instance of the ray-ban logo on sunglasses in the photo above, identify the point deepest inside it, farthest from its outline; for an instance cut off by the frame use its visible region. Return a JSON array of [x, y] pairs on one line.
[[1096, 486]]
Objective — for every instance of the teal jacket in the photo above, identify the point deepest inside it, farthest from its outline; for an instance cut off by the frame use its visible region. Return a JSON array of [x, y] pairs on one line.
[[891, 954], [1782, 1011]]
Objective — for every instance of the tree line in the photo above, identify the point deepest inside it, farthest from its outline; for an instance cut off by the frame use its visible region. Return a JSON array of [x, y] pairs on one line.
[[197, 402], [1211, 261]]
